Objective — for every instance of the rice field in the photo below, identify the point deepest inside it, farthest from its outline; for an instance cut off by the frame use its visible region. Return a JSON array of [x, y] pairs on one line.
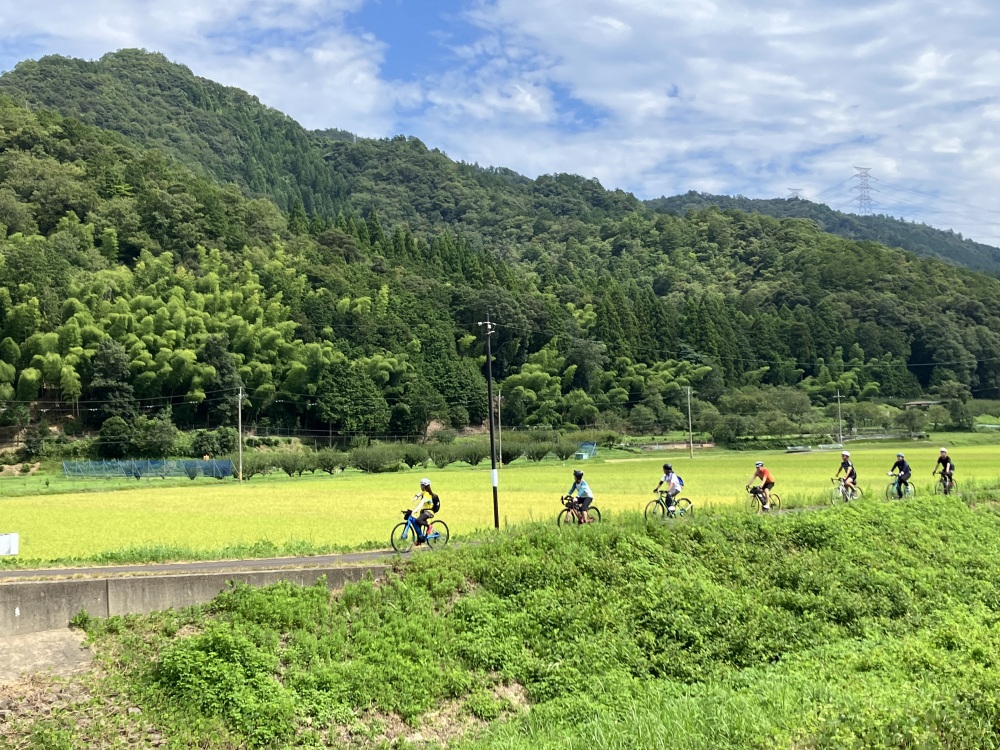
[[277, 514]]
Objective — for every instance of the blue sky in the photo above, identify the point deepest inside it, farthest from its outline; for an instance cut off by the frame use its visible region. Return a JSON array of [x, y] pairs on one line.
[[653, 96]]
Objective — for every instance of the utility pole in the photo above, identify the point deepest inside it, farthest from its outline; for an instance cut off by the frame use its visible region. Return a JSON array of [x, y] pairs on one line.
[[489, 394], [239, 430], [840, 422], [499, 428], [690, 429]]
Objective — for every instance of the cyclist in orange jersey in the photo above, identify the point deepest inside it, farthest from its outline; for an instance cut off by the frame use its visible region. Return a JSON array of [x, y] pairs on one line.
[[766, 483]]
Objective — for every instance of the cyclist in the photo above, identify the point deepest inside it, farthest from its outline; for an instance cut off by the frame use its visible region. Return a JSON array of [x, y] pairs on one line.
[[947, 467], [673, 483], [422, 514], [903, 468], [583, 494], [850, 473], [766, 483]]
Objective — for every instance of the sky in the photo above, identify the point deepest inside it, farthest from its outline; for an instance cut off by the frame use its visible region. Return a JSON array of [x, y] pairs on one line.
[[658, 97]]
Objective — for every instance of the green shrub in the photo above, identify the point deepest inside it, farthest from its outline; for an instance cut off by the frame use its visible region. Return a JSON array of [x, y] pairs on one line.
[[536, 451], [204, 443], [442, 455], [332, 461], [414, 455], [511, 449], [376, 458], [474, 452], [444, 435], [228, 440], [565, 449]]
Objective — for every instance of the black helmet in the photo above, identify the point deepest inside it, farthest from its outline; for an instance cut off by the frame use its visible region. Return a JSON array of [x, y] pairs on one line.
[[578, 473], [668, 468]]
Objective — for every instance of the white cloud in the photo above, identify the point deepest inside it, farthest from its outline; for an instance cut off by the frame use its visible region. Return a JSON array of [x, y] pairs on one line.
[[656, 96], [295, 55]]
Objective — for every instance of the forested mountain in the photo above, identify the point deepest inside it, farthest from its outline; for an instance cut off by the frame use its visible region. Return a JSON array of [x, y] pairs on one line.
[[917, 238], [130, 281], [215, 130]]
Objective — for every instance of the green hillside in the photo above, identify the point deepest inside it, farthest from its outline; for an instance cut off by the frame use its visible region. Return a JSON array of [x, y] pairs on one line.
[[867, 626], [607, 311], [917, 238]]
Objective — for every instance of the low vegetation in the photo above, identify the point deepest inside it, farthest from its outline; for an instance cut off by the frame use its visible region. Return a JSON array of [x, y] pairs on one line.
[[869, 625]]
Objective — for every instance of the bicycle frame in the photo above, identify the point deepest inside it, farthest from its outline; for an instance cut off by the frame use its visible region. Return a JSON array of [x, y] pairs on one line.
[[411, 525]]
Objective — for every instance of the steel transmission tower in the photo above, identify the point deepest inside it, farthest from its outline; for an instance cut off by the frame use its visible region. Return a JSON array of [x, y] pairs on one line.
[[793, 193], [864, 188]]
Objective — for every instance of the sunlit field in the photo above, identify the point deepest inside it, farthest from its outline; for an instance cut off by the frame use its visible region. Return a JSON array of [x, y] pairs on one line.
[[320, 512]]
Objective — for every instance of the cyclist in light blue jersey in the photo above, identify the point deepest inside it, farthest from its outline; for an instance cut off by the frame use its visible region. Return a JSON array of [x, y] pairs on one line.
[[583, 494]]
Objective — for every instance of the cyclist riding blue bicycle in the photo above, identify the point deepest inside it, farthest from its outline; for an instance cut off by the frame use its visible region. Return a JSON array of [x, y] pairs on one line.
[[850, 473], [583, 494], [421, 514], [902, 480], [673, 483]]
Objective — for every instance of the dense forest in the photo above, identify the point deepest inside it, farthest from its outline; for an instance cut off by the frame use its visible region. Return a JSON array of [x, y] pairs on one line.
[[917, 238], [159, 283]]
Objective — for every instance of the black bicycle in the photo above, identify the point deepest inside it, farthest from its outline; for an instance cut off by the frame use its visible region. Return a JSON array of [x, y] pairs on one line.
[[945, 486], [664, 508], [757, 500], [572, 513]]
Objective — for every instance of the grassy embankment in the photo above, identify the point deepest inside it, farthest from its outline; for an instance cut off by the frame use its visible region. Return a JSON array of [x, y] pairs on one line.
[[866, 625], [277, 515]]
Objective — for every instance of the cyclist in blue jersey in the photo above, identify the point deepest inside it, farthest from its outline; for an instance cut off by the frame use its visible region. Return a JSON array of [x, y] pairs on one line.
[[583, 494]]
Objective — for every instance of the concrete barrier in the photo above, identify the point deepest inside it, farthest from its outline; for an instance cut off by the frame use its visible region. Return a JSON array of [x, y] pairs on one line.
[[36, 606]]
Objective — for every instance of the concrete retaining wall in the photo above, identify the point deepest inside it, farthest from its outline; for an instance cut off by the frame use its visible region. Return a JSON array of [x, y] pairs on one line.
[[35, 606]]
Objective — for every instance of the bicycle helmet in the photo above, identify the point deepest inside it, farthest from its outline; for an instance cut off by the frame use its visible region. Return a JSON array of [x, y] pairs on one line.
[[668, 468], [425, 482], [944, 450], [846, 454], [899, 455], [577, 474], [759, 464]]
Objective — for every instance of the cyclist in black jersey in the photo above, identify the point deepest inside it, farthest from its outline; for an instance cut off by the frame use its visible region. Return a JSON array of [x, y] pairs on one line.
[[946, 466], [905, 473], [850, 473]]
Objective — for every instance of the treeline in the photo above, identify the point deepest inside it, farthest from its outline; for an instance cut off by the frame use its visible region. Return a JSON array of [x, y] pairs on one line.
[[921, 239], [129, 284]]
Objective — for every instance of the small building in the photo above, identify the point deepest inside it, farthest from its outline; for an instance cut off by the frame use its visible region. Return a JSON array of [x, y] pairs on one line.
[[919, 404]]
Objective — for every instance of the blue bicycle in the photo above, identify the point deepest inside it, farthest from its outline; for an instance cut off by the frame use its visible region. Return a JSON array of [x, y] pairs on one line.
[[406, 534]]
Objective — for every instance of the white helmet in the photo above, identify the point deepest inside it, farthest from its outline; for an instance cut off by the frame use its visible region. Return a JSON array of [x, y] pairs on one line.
[[944, 450], [425, 482], [846, 454], [759, 464]]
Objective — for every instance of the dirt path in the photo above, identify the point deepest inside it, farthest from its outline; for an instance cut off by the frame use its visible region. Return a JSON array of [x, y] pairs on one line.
[[60, 652]]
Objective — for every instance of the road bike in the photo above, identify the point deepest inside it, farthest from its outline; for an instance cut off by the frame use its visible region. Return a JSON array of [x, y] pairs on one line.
[[407, 533], [663, 508], [944, 486], [841, 492], [757, 500], [892, 491], [572, 513]]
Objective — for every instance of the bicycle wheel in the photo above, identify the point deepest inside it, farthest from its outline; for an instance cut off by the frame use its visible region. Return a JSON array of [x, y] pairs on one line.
[[402, 537], [438, 535], [566, 518], [685, 509], [753, 504], [952, 488], [910, 491], [775, 503], [595, 513], [835, 495], [890, 492], [654, 511]]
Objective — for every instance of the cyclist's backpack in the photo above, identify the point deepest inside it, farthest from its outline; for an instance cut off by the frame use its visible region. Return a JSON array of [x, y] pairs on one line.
[[679, 480], [435, 503]]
